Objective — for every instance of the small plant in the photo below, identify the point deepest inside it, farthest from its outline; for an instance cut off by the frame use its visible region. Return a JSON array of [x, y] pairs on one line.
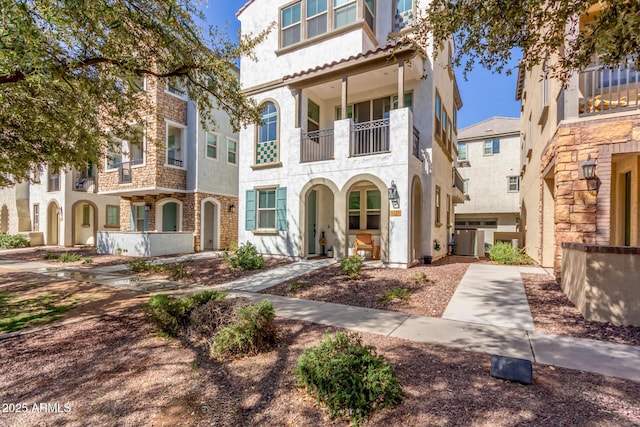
[[9, 241], [395, 293], [170, 314], [140, 266], [505, 253], [119, 251], [48, 255], [175, 271], [87, 261], [348, 377], [246, 258], [420, 278], [69, 257], [294, 285], [351, 266], [253, 332]]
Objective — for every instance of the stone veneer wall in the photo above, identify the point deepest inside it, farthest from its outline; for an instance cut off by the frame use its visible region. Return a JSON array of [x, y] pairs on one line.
[[228, 220], [582, 213]]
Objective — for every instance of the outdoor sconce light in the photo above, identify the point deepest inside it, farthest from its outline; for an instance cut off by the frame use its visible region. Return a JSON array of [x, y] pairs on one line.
[[394, 197], [147, 208], [232, 208], [59, 212], [589, 168]]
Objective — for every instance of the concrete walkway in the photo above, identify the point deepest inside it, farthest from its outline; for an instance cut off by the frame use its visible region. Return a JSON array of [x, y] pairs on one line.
[[480, 330]]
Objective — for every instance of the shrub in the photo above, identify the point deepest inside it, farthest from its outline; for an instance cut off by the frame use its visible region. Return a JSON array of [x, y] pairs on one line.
[[170, 314], [504, 253], [294, 285], [174, 271], [69, 257], [351, 266], [246, 258], [9, 241], [420, 278], [395, 293], [253, 331], [140, 265], [348, 377], [87, 261], [50, 255], [209, 318]]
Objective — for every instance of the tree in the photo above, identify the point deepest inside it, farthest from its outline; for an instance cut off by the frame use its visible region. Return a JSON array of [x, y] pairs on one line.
[[70, 73], [487, 31]]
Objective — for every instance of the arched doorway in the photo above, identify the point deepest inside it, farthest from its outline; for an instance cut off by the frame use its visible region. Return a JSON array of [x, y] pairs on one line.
[[53, 221], [416, 219], [319, 235], [169, 215], [210, 224], [84, 223]]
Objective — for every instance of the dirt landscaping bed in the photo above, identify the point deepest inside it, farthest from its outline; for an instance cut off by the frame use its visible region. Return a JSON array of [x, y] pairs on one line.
[[553, 313], [114, 370], [429, 287], [50, 255]]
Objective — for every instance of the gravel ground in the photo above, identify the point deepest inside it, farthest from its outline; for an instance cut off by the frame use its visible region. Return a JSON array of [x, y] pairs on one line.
[[426, 297], [553, 313], [114, 371], [38, 255]]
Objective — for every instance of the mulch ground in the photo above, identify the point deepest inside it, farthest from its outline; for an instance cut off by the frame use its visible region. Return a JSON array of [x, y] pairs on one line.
[[430, 287], [114, 370]]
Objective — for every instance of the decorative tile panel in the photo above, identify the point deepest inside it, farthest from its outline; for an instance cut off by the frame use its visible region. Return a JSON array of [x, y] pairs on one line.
[[266, 152]]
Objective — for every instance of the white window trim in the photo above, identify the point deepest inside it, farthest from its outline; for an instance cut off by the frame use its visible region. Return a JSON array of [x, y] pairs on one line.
[[159, 207], [227, 151], [125, 158], [275, 210], [509, 190], [183, 144], [206, 146]]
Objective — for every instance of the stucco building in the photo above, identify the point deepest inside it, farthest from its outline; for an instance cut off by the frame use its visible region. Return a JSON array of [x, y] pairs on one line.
[[177, 185], [358, 136], [581, 182], [489, 162]]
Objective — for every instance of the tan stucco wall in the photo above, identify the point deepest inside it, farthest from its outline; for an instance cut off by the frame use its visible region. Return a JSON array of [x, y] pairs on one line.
[[603, 285]]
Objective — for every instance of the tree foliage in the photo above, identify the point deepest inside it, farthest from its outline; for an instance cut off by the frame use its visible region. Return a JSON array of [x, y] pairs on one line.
[[487, 31], [71, 70]]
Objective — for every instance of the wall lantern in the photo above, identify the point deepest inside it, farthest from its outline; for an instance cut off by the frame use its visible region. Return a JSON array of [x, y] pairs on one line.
[[394, 197], [147, 208], [589, 168], [232, 208]]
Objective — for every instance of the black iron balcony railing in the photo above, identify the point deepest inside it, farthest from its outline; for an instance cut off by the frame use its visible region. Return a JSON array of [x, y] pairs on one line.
[[416, 143], [609, 89], [174, 162], [316, 145], [370, 138], [124, 170], [84, 184]]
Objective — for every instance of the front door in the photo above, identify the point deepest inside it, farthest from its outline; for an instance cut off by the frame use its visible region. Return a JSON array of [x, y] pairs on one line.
[[170, 217], [311, 222]]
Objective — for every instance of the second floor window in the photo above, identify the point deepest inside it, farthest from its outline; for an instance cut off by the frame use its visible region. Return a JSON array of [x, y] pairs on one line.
[[267, 144], [212, 146], [462, 151]]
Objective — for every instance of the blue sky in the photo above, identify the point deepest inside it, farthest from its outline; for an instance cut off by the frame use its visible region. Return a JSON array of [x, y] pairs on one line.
[[484, 94]]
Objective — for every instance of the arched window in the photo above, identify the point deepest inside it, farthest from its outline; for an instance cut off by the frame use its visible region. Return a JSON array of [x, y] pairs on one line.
[[267, 146]]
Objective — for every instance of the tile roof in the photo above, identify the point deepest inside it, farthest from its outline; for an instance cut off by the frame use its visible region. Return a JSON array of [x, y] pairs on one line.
[[246, 5], [490, 127]]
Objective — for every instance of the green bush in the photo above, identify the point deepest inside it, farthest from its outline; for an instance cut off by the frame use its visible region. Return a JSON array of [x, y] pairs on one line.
[[348, 377], [253, 331], [420, 278], [69, 257], [351, 266], [504, 253], [174, 271], [10, 241], [395, 293], [170, 315], [246, 257], [140, 266], [87, 261]]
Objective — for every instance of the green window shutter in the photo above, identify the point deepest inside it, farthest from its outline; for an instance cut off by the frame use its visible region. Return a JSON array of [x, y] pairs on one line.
[[250, 213], [132, 224], [281, 208]]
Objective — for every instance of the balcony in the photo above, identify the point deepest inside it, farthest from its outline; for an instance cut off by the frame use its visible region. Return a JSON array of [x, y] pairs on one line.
[[316, 146], [416, 143], [604, 90], [459, 185], [84, 184], [369, 138], [124, 171], [174, 162]]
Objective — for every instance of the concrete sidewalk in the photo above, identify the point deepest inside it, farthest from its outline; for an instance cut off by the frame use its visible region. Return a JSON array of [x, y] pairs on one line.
[[574, 353]]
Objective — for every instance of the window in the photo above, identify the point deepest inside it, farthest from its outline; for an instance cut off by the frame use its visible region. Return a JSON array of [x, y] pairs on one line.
[[175, 143], [139, 221], [455, 120], [491, 146], [370, 13], [124, 151], [212, 146], [267, 146], [448, 210], [403, 14], [86, 215], [514, 184], [113, 216], [266, 209], [290, 24], [36, 217], [438, 111], [313, 116], [545, 84], [316, 17], [344, 13], [53, 183], [374, 109], [370, 215], [232, 151], [462, 151], [438, 223]]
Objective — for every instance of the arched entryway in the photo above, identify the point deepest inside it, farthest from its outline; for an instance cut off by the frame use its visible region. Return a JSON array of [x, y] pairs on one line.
[[53, 224], [84, 223], [210, 225], [169, 215], [317, 217], [416, 219]]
